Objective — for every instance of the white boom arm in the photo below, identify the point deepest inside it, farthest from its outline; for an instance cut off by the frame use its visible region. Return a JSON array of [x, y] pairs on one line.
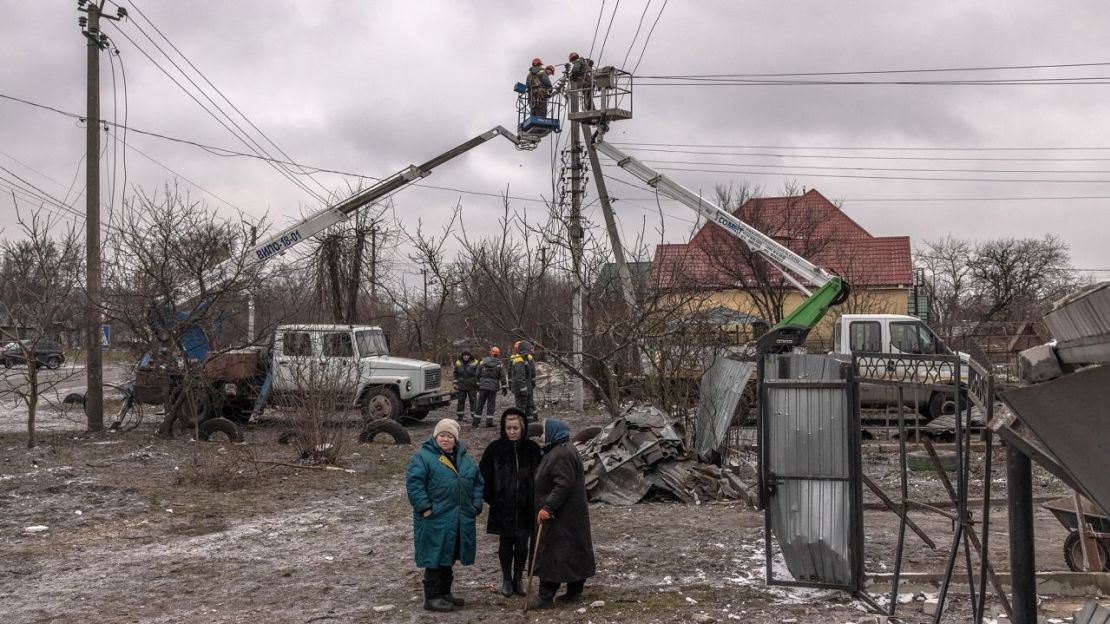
[[780, 255], [327, 217]]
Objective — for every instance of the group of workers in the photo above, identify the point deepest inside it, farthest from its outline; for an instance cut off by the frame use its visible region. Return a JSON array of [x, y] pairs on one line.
[[537, 505], [539, 84], [477, 383]]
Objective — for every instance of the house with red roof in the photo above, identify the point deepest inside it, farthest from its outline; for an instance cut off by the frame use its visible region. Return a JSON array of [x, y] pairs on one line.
[[724, 273]]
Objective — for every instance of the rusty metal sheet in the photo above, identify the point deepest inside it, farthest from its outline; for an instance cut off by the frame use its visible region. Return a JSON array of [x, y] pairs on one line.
[[1071, 415]]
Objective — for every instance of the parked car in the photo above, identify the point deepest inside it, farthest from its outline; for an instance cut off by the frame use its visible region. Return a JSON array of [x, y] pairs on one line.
[[46, 353]]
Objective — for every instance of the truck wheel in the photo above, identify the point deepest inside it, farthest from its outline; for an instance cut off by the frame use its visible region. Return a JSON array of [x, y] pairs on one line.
[[53, 362], [944, 404], [1073, 554], [380, 403], [385, 426], [7, 363], [220, 425]]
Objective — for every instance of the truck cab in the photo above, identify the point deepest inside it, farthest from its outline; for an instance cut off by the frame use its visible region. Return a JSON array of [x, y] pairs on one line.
[[896, 335], [353, 361]]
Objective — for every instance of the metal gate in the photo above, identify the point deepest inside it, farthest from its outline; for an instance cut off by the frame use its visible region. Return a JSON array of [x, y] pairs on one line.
[[810, 470]]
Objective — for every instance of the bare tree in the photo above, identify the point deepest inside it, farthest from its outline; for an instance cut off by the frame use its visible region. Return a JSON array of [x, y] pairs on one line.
[[40, 277], [947, 280], [1014, 278]]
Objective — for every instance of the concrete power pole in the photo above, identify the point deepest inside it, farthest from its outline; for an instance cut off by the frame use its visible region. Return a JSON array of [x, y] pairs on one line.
[[574, 231], [94, 397]]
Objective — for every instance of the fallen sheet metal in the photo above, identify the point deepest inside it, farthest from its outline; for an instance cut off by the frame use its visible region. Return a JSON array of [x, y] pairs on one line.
[[1071, 415], [643, 451], [721, 387]]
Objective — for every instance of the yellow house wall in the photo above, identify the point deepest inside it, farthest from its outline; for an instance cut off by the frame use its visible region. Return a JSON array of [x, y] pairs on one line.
[[864, 301]]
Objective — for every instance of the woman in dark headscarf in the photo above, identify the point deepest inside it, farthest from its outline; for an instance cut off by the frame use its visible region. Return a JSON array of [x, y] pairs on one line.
[[508, 469], [565, 551]]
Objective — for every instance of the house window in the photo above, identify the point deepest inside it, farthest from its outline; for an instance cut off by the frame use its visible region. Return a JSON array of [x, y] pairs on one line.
[[297, 344], [865, 337], [337, 344]]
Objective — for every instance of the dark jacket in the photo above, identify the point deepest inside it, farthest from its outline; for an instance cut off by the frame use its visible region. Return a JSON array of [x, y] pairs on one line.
[[466, 373], [520, 375], [581, 68], [565, 552], [537, 78], [508, 470], [454, 494], [491, 374]]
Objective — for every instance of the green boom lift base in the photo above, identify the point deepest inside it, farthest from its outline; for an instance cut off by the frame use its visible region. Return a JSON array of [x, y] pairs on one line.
[[792, 330]]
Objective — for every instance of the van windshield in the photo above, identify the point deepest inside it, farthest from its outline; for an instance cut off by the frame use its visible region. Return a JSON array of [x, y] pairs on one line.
[[371, 342]]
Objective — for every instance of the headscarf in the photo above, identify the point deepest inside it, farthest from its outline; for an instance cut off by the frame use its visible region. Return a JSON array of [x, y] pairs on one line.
[[554, 432]]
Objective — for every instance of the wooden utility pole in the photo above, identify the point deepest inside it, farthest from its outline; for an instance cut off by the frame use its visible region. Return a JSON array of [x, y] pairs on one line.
[[575, 234]]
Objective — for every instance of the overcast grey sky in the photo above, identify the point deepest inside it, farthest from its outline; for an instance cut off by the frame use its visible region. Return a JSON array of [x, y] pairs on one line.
[[369, 87]]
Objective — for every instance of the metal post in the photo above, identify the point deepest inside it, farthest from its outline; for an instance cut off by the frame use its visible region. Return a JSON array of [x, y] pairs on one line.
[[94, 396], [610, 222], [250, 318], [575, 233], [1019, 494]]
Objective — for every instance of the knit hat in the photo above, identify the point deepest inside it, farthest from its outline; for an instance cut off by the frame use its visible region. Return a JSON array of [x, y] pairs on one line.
[[447, 425]]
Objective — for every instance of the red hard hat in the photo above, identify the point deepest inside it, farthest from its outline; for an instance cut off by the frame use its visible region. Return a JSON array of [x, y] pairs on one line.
[[537, 61], [494, 351], [550, 69], [573, 55]]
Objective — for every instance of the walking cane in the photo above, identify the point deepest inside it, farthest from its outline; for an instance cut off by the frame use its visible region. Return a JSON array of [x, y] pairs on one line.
[[532, 568]]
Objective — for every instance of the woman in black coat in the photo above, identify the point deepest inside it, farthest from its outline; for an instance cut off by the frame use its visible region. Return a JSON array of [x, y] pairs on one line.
[[565, 552], [508, 468]]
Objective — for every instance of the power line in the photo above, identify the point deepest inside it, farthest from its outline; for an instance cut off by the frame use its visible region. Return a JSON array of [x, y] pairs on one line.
[[855, 157], [854, 147], [877, 177], [597, 27], [650, 33], [890, 71], [612, 17], [847, 168], [218, 91], [1019, 82], [636, 36]]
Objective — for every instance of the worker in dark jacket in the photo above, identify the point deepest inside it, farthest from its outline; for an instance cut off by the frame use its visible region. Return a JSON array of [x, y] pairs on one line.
[[508, 468], [520, 376], [565, 550], [445, 490], [581, 79], [491, 378], [539, 88], [466, 384]]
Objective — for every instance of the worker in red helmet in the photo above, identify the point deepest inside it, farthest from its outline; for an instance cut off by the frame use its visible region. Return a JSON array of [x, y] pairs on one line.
[[491, 378], [580, 71], [539, 88]]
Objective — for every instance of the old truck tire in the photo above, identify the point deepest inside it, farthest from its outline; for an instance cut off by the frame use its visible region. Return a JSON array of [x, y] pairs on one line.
[[391, 428], [380, 403], [220, 425], [587, 434], [1073, 554], [535, 430]]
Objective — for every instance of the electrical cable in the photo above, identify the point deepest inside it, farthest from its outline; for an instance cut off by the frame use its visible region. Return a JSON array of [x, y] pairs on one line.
[[604, 41], [597, 27], [221, 93], [636, 36], [884, 148], [648, 38], [890, 71], [847, 168], [835, 157]]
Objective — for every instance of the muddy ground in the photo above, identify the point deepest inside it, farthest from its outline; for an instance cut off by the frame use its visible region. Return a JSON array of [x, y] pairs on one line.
[[140, 529]]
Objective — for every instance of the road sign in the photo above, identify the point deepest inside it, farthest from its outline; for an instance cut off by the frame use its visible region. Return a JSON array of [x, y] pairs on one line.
[[105, 336]]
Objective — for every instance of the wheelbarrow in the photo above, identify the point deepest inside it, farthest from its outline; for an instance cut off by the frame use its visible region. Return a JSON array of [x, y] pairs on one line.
[[1098, 529]]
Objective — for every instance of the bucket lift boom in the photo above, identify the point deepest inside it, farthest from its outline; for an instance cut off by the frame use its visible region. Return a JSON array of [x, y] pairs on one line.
[[792, 330]]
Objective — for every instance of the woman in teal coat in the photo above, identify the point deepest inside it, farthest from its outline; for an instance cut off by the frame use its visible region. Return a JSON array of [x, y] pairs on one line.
[[445, 490]]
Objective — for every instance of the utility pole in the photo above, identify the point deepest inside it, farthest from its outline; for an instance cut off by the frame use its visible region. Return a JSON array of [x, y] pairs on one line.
[[574, 231], [373, 262], [424, 274], [94, 364]]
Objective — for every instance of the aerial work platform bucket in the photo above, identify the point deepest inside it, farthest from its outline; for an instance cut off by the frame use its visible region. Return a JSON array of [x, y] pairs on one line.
[[606, 95], [538, 114]]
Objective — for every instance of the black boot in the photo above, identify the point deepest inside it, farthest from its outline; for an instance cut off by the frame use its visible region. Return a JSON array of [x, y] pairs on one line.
[[448, 579], [507, 585], [518, 583], [433, 601]]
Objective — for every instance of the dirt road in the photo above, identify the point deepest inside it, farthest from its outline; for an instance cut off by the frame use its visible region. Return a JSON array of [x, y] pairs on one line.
[[139, 529]]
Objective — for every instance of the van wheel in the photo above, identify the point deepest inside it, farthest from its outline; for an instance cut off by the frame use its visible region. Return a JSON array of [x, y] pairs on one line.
[[220, 425], [391, 428], [944, 404], [380, 403], [53, 362]]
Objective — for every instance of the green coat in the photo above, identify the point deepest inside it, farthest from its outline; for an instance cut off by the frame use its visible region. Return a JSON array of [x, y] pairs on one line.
[[454, 494]]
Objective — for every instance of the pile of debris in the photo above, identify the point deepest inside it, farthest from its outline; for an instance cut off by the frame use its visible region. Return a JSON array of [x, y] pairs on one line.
[[642, 454]]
